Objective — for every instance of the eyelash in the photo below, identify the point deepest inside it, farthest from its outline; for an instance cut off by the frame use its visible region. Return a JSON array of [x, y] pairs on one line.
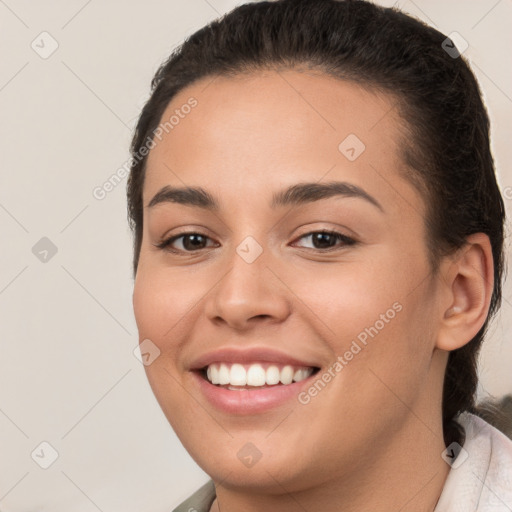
[[165, 244]]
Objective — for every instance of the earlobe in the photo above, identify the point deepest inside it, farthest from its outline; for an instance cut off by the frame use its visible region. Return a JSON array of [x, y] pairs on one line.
[[468, 284]]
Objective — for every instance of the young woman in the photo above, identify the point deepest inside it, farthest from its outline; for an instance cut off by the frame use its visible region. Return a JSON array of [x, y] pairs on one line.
[[318, 252]]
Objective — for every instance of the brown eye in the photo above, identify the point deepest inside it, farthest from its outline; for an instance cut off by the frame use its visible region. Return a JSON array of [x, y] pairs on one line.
[[193, 241], [326, 240], [189, 242]]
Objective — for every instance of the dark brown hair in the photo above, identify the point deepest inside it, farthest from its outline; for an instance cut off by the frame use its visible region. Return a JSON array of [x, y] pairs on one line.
[[447, 154]]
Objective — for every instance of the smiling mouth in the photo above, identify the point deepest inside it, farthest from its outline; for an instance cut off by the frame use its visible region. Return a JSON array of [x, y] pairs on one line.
[[238, 377]]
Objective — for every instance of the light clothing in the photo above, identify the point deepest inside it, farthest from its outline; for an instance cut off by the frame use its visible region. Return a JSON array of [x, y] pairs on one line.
[[482, 483], [200, 501]]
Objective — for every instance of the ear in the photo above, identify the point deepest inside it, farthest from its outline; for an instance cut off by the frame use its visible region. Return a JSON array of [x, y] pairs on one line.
[[467, 280]]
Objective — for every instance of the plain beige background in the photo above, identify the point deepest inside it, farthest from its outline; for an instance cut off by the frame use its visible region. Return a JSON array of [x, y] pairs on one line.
[[68, 373]]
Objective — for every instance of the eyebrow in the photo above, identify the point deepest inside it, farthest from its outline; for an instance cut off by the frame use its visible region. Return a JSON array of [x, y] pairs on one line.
[[298, 194]]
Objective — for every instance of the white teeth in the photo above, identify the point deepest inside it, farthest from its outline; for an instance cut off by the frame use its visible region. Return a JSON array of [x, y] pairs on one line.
[[237, 375], [286, 375], [214, 374], [255, 375], [224, 377], [302, 374], [273, 375]]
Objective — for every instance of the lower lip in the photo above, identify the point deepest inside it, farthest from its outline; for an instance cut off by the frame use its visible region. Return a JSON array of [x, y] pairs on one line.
[[250, 401]]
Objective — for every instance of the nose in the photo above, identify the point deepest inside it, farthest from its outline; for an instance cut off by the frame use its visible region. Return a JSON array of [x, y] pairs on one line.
[[248, 294]]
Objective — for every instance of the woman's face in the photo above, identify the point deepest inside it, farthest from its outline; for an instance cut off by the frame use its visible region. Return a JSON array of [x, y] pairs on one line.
[[257, 287]]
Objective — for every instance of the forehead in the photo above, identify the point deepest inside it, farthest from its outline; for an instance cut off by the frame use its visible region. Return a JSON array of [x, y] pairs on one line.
[[260, 130]]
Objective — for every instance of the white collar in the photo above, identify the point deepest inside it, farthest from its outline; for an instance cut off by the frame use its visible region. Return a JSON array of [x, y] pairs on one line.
[[483, 482]]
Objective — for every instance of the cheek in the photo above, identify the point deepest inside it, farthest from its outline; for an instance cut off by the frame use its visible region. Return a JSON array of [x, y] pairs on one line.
[[160, 307], [375, 315], [160, 300], [348, 297]]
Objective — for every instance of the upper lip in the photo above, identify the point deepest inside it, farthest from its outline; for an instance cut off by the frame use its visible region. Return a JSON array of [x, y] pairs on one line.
[[247, 355]]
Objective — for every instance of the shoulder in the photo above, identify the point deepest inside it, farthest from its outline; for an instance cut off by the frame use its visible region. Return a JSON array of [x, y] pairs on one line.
[[200, 501], [481, 475]]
